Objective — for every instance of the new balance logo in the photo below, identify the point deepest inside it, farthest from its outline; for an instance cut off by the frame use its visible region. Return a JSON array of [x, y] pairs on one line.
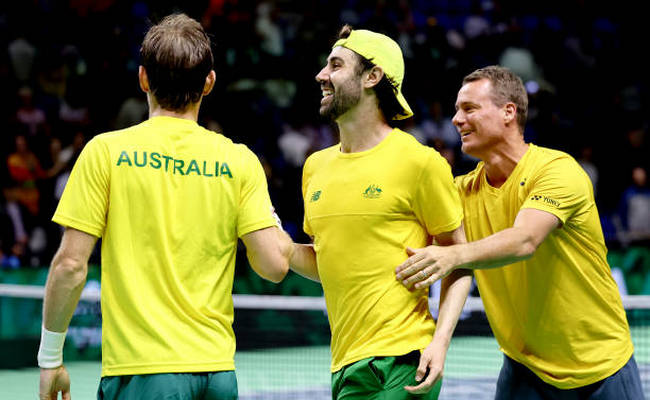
[[372, 192], [315, 196]]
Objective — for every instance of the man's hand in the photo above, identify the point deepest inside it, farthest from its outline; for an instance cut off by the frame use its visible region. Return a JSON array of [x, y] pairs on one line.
[[53, 381], [427, 265], [432, 362]]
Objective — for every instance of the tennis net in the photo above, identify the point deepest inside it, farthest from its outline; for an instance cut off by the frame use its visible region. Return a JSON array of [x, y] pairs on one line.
[[283, 343]]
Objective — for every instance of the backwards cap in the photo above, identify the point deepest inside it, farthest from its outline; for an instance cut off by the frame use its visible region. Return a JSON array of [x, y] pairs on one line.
[[384, 52]]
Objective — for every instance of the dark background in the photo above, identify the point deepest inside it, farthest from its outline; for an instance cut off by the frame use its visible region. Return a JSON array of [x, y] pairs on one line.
[[68, 71]]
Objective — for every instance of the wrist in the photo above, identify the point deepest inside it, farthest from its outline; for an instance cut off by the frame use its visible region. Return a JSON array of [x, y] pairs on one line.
[[461, 255], [50, 351]]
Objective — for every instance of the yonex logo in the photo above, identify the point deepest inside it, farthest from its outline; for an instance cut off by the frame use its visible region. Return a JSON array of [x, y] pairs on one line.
[[545, 199], [315, 196], [372, 192]]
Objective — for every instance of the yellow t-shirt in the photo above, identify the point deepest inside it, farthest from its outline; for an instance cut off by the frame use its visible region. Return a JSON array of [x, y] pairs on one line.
[[559, 313], [169, 200], [363, 209]]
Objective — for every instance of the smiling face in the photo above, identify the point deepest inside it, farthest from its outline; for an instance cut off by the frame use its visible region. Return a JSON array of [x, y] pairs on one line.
[[340, 83], [480, 122]]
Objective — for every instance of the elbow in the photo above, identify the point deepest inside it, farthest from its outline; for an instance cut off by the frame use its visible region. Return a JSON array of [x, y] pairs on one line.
[[527, 247], [274, 270], [70, 269], [277, 273]]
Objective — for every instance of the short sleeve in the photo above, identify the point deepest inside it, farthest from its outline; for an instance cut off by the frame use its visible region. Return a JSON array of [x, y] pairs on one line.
[[254, 203], [436, 201], [84, 203], [561, 188]]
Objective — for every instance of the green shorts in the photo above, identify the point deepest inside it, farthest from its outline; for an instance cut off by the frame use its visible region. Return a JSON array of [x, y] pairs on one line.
[[220, 385], [379, 378]]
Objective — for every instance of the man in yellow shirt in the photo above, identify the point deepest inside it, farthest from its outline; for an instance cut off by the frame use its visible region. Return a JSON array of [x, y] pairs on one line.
[[553, 306], [367, 199], [169, 200]]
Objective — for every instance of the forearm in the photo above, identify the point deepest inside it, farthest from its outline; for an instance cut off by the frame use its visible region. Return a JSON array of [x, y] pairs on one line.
[[502, 248], [303, 261], [454, 290], [268, 251], [62, 292]]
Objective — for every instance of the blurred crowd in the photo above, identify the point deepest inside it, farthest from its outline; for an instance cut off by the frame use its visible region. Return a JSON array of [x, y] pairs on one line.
[[68, 71]]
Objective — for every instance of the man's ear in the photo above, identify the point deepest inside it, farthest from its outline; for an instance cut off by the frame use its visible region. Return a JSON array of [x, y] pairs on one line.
[[209, 82], [374, 75], [509, 113], [143, 79]]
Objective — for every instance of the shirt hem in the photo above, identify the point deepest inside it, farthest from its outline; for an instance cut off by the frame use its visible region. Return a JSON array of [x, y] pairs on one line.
[[338, 366], [76, 224], [549, 210], [577, 383], [256, 226], [449, 227], [167, 368]]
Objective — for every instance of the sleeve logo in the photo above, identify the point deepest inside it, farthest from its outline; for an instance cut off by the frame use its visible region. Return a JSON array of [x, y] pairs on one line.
[[315, 196], [545, 199]]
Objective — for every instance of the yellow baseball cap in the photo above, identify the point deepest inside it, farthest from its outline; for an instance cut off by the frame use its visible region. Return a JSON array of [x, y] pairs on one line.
[[384, 52]]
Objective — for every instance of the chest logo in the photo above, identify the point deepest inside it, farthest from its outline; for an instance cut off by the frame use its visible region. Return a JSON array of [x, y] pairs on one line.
[[372, 192], [315, 196]]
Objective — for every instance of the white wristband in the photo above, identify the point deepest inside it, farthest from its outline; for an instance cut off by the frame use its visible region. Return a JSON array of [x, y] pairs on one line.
[[50, 352], [278, 223]]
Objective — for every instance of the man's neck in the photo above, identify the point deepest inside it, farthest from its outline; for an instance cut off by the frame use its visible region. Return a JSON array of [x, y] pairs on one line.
[[362, 128], [191, 112], [502, 160]]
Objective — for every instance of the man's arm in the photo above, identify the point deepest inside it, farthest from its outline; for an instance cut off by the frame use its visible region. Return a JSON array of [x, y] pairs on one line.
[[66, 279], [454, 290], [510, 245], [303, 261], [62, 291], [269, 251]]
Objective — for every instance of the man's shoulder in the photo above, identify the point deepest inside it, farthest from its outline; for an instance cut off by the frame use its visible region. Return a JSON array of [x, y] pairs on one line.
[[469, 179], [545, 155], [323, 155], [419, 155], [404, 140], [115, 135]]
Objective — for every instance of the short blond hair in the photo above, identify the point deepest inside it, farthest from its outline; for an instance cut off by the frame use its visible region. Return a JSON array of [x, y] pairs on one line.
[[177, 55], [507, 87]]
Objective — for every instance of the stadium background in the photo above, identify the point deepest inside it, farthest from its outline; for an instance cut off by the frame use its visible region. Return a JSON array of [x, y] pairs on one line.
[[68, 71]]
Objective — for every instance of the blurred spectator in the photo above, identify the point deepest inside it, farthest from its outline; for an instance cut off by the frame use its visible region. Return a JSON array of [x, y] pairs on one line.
[[634, 209], [269, 31], [133, 110], [437, 126], [32, 118], [22, 54], [25, 170], [8, 259], [73, 112], [71, 85], [585, 159], [65, 159], [295, 145]]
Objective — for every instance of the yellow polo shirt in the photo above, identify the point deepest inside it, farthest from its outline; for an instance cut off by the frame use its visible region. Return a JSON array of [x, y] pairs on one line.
[[362, 210], [559, 313], [169, 200]]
